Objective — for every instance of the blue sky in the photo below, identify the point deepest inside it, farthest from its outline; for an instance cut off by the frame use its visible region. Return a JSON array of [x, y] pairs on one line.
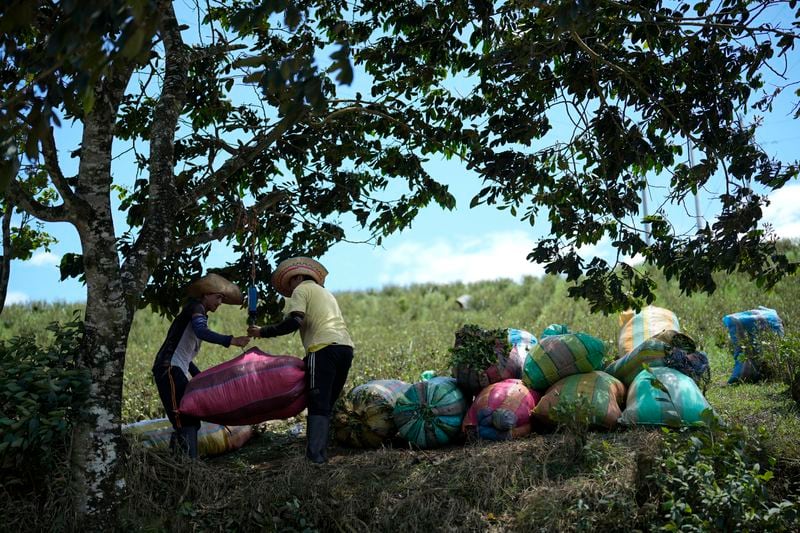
[[441, 246]]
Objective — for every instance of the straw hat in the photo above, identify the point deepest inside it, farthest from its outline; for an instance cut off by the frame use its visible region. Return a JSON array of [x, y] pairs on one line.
[[289, 268], [215, 284]]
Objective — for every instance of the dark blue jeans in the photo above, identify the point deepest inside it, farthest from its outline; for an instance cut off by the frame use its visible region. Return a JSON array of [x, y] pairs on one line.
[[326, 373], [171, 383]]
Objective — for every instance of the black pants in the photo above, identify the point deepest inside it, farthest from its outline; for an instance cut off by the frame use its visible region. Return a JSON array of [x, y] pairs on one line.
[[326, 373], [171, 383]]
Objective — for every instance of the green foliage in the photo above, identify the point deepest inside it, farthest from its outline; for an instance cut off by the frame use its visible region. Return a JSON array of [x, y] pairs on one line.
[[574, 418], [478, 348], [779, 357], [717, 479], [42, 391]]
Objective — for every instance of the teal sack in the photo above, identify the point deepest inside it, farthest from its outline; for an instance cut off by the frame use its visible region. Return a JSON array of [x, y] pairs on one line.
[[555, 329], [680, 404], [430, 412]]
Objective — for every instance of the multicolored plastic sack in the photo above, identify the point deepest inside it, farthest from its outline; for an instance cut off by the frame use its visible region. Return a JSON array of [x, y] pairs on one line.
[[508, 353], [248, 389], [212, 439], [674, 401], [598, 395], [559, 356], [650, 352], [638, 327], [746, 329], [363, 417], [429, 413], [501, 411]]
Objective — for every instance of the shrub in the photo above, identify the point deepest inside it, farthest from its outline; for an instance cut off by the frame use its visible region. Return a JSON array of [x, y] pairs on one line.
[[42, 391], [716, 479], [780, 357]]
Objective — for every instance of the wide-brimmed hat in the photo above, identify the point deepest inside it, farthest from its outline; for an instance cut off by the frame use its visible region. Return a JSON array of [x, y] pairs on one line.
[[289, 268], [216, 284]]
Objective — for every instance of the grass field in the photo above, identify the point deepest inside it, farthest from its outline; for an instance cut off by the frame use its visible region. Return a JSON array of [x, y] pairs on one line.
[[535, 483]]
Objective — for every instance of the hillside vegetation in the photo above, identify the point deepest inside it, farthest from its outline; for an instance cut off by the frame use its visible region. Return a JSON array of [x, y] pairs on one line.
[[551, 482]]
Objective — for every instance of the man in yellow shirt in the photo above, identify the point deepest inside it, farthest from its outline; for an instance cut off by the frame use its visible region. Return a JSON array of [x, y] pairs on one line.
[[312, 309]]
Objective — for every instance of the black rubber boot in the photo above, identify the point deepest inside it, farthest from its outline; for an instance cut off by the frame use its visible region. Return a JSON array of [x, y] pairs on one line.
[[317, 436], [187, 441]]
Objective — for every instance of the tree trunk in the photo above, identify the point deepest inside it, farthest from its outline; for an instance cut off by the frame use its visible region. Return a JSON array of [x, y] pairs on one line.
[[98, 445], [5, 260]]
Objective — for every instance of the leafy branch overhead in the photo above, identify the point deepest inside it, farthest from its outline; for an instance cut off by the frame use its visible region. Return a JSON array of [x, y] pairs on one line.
[[637, 80]]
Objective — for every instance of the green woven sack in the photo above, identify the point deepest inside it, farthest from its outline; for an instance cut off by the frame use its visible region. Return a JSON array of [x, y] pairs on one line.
[[363, 417], [651, 353], [559, 356], [430, 413]]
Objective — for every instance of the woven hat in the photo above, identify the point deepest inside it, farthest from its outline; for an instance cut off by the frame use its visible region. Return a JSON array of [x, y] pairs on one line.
[[289, 268], [216, 284]]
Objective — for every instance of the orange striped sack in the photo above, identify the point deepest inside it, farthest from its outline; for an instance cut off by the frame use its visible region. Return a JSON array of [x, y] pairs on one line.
[[212, 439], [638, 327], [601, 394]]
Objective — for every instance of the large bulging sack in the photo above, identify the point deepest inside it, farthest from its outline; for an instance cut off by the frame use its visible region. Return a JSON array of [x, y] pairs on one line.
[[481, 357], [651, 352], [430, 413], [638, 327], [596, 394], [363, 417], [558, 356], [746, 330], [251, 388], [501, 411], [212, 439], [675, 400]]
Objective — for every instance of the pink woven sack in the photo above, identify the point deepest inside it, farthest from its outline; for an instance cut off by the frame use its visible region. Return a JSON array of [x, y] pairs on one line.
[[501, 411], [248, 389]]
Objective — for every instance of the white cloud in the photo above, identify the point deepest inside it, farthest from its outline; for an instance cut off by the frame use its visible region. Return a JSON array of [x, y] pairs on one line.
[[15, 297], [783, 212], [45, 259], [493, 256]]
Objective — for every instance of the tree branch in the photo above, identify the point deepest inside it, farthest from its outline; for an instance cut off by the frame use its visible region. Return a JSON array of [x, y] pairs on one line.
[[215, 234], [31, 205], [154, 241], [54, 169], [234, 164]]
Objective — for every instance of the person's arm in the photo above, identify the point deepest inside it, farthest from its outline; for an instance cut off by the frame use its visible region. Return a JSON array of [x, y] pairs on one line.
[[204, 333], [290, 324], [193, 370]]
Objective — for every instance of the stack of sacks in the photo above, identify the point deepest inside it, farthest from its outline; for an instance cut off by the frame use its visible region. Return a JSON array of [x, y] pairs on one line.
[[664, 396], [746, 329], [251, 388], [501, 411], [430, 413], [494, 355], [567, 367], [663, 371], [638, 327], [668, 348], [212, 439], [363, 417], [559, 356], [604, 396]]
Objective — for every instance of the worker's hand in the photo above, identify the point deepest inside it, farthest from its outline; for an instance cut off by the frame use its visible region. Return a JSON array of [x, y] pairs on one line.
[[254, 331], [240, 341]]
